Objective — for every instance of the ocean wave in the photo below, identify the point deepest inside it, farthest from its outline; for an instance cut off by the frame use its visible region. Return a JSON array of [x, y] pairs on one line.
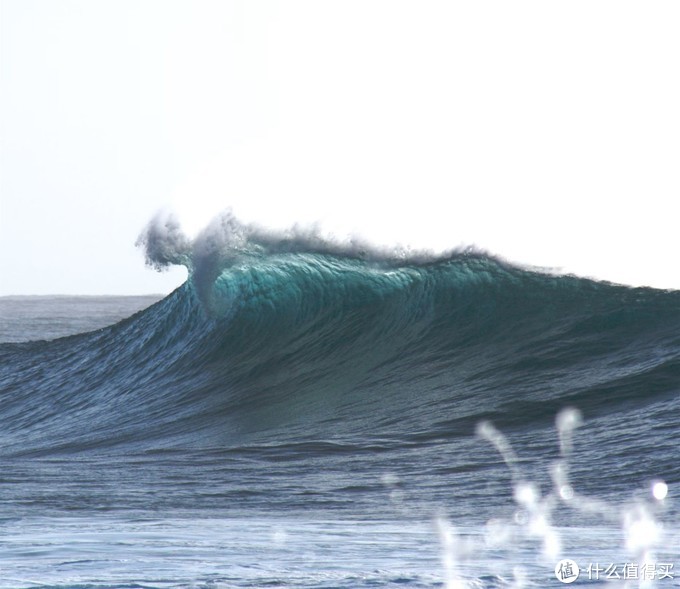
[[289, 336]]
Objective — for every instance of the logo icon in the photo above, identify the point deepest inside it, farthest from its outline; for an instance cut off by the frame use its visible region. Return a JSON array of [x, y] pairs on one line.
[[567, 571]]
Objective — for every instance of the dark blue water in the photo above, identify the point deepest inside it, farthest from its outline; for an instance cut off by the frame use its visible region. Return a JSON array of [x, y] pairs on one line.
[[302, 415]]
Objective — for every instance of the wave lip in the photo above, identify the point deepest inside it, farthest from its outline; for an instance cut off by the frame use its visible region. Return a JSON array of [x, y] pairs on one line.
[[227, 241]]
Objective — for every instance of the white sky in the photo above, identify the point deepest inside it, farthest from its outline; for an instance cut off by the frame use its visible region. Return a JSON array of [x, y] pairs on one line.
[[547, 132]]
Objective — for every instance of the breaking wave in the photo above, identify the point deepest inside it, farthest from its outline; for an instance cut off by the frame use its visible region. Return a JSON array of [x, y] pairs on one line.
[[290, 337]]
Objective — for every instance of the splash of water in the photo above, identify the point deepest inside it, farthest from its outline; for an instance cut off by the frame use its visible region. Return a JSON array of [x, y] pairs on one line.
[[639, 520]]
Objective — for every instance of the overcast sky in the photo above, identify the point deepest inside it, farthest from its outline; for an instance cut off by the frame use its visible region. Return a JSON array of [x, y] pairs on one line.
[[547, 132]]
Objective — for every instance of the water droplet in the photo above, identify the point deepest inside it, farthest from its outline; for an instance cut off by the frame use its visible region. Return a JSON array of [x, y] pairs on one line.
[[659, 490]]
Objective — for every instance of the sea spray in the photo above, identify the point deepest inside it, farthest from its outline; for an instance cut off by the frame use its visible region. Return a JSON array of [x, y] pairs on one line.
[[640, 529]]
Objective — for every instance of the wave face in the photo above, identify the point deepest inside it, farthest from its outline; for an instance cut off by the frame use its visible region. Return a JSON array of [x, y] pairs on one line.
[[276, 339]]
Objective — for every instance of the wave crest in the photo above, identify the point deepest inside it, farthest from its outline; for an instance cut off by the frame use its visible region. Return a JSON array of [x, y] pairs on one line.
[[226, 241]]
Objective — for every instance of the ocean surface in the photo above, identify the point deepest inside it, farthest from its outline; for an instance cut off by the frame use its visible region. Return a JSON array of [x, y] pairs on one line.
[[307, 414]]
